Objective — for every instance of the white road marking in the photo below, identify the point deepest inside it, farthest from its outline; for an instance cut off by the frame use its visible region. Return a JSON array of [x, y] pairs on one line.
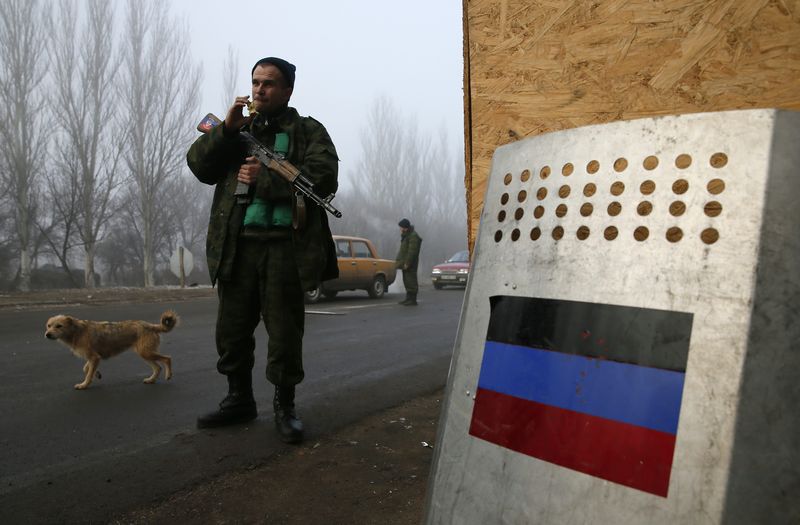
[[350, 307], [358, 306]]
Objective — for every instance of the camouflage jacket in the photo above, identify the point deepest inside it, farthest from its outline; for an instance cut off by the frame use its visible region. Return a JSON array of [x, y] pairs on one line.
[[215, 158], [408, 255]]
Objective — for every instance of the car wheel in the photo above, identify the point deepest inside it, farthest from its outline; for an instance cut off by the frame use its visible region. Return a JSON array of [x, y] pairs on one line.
[[438, 286], [378, 287], [313, 296], [330, 294]]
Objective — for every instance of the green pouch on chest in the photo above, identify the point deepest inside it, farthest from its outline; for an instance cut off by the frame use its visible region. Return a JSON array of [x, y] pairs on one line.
[[281, 146], [258, 213], [282, 215], [264, 213]]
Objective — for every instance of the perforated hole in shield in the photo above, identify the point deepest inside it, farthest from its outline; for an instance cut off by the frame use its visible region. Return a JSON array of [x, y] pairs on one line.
[[658, 197]]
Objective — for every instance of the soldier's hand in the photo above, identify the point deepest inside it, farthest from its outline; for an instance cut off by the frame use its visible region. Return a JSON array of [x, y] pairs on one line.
[[235, 118], [249, 171]]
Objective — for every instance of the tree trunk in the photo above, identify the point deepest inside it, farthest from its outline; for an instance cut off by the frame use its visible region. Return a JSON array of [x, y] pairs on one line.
[[149, 263], [25, 270], [24, 236], [88, 266]]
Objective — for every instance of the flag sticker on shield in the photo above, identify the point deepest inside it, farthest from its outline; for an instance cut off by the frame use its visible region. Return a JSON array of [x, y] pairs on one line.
[[595, 388]]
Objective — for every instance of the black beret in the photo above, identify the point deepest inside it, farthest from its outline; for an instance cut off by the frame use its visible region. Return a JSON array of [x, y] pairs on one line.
[[404, 223], [286, 68]]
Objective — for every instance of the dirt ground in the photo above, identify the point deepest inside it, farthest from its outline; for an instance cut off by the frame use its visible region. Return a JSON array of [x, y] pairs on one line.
[[372, 472]]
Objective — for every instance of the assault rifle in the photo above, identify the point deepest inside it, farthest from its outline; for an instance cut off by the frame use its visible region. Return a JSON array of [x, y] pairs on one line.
[[275, 162]]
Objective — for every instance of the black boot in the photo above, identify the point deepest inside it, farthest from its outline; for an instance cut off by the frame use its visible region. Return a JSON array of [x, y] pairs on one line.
[[237, 407], [289, 426], [412, 299], [404, 301]]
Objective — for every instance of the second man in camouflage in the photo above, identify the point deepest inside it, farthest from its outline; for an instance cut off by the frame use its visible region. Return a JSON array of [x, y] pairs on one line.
[[408, 260]]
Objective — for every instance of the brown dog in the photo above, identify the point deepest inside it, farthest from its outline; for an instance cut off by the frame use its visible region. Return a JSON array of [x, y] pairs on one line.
[[93, 341]]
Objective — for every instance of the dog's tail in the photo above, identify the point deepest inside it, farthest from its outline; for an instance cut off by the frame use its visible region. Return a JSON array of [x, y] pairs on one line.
[[169, 320]]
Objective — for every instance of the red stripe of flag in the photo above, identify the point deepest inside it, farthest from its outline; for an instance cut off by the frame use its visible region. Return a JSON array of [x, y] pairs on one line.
[[634, 456]]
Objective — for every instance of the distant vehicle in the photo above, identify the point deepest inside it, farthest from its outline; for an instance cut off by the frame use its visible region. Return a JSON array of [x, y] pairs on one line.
[[359, 269], [453, 272]]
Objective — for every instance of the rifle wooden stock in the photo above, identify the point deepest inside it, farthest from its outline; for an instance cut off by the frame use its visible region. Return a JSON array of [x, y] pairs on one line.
[[276, 163]]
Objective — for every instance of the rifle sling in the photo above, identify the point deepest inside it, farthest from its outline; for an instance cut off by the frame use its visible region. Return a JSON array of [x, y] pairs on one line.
[[298, 212]]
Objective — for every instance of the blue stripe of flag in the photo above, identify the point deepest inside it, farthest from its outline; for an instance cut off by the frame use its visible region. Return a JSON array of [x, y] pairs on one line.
[[638, 395]]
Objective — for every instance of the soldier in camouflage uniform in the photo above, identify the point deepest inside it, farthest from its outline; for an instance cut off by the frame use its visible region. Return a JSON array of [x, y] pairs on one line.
[[408, 259], [260, 261]]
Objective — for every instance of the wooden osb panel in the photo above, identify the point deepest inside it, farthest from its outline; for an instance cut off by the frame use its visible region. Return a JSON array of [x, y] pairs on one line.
[[538, 66]]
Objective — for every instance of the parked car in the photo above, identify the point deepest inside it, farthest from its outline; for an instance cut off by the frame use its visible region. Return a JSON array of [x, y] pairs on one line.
[[454, 271], [360, 268]]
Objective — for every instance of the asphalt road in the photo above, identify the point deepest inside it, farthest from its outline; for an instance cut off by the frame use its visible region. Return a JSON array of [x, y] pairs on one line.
[[84, 456]]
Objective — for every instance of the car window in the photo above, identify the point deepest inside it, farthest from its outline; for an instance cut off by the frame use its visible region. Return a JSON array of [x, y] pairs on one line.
[[360, 249], [342, 248], [460, 257]]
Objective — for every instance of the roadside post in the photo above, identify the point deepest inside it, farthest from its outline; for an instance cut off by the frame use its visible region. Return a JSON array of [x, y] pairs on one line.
[[181, 264], [627, 349]]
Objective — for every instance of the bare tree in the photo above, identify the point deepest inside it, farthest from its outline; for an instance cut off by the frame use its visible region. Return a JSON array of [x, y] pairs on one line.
[[445, 214], [21, 111], [381, 188], [81, 66], [121, 250], [230, 69], [160, 102], [58, 221], [190, 220], [404, 173]]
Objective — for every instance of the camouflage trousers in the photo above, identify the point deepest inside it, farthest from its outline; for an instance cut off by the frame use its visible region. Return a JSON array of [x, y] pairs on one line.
[[265, 285], [410, 280]]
